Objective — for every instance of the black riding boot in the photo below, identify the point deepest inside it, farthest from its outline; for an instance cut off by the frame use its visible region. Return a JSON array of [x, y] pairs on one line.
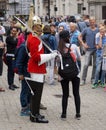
[[35, 102]]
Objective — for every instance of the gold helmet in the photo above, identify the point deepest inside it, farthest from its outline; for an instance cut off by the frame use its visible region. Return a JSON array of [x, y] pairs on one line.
[[36, 20], [37, 25]]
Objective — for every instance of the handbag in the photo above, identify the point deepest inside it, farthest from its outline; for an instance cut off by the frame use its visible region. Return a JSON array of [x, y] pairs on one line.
[[15, 69], [4, 58], [1, 51]]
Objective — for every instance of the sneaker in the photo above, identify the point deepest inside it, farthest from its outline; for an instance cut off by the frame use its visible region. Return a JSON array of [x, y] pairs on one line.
[[78, 116], [102, 85], [99, 81], [82, 83], [25, 113], [95, 85]]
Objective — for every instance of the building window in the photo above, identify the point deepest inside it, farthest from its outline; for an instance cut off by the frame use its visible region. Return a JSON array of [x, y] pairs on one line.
[[63, 9], [79, 8], [103, 12]]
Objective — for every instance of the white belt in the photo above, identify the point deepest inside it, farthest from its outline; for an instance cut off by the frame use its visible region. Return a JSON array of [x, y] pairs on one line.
[[10, 55]]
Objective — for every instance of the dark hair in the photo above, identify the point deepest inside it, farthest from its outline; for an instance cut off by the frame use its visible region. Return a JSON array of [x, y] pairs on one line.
[[46, 29], [72, 19], [87, 16], [64, 38], [15, 28], [64, 34]]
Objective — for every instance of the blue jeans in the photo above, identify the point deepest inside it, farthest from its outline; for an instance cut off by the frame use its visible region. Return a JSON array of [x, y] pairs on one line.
[[99, 60], [88, 57], [25, 94]]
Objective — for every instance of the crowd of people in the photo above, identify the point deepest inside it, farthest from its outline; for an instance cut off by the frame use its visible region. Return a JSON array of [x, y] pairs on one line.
[[33, 59]]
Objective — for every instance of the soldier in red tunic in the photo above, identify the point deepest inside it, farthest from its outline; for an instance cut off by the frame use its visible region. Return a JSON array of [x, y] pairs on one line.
[[37, 70]]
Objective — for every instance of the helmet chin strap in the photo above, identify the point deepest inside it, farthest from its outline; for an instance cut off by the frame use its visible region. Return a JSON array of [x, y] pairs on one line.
[[35, 33]]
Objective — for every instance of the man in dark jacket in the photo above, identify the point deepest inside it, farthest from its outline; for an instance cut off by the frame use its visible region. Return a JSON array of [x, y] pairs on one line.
[[21, 63], [11, 43]]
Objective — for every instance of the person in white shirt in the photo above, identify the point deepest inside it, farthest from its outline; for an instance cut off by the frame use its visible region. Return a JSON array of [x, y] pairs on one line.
[[2, 32]]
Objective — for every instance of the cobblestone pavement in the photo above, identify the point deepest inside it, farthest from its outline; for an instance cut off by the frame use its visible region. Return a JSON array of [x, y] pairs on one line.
[[93, 108]]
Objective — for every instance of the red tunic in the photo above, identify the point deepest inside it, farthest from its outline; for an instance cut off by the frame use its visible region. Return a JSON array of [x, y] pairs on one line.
[[35, 48]]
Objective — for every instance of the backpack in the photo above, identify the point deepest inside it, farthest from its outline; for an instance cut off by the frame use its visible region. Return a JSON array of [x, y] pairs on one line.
[[70, 69], [46, 40]]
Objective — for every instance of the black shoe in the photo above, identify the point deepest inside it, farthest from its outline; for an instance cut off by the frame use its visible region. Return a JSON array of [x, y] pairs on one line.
[[41, 120], [41, 116], [78, 116], [38, 119], [15, 86], [63, 116], [11, 87], [43, 107]]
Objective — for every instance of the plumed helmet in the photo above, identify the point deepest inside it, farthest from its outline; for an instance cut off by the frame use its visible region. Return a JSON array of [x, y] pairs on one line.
[[36, 20]]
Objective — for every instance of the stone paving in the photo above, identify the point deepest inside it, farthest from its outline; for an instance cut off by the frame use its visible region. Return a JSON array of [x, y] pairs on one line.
[[93, 108]]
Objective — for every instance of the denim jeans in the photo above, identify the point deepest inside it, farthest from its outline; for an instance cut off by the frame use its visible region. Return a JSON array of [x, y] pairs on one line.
[[25, 94], [88, 56], [99, 60]]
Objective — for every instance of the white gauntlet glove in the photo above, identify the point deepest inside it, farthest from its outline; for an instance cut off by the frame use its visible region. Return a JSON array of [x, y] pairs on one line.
[[54, 54], [46, 57]]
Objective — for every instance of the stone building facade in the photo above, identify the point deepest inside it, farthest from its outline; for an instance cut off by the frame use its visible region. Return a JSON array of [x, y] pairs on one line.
[[61, 7], [19, 7], [97, 8], [3, 7]]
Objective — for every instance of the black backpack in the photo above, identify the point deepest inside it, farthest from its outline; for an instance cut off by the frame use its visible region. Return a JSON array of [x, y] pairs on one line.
[[70, 69]]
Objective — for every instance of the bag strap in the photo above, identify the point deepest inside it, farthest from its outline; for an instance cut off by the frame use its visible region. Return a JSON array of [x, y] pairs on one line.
[[69, 48], [79, 27]]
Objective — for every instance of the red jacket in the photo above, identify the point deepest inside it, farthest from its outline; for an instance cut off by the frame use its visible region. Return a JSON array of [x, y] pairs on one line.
[[35, 48]]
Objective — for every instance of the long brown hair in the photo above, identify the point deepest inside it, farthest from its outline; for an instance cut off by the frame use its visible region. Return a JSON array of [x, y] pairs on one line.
[[62, 42]]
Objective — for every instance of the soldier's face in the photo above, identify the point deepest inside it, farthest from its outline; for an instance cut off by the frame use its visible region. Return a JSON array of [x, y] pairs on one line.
[[37, 29]]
